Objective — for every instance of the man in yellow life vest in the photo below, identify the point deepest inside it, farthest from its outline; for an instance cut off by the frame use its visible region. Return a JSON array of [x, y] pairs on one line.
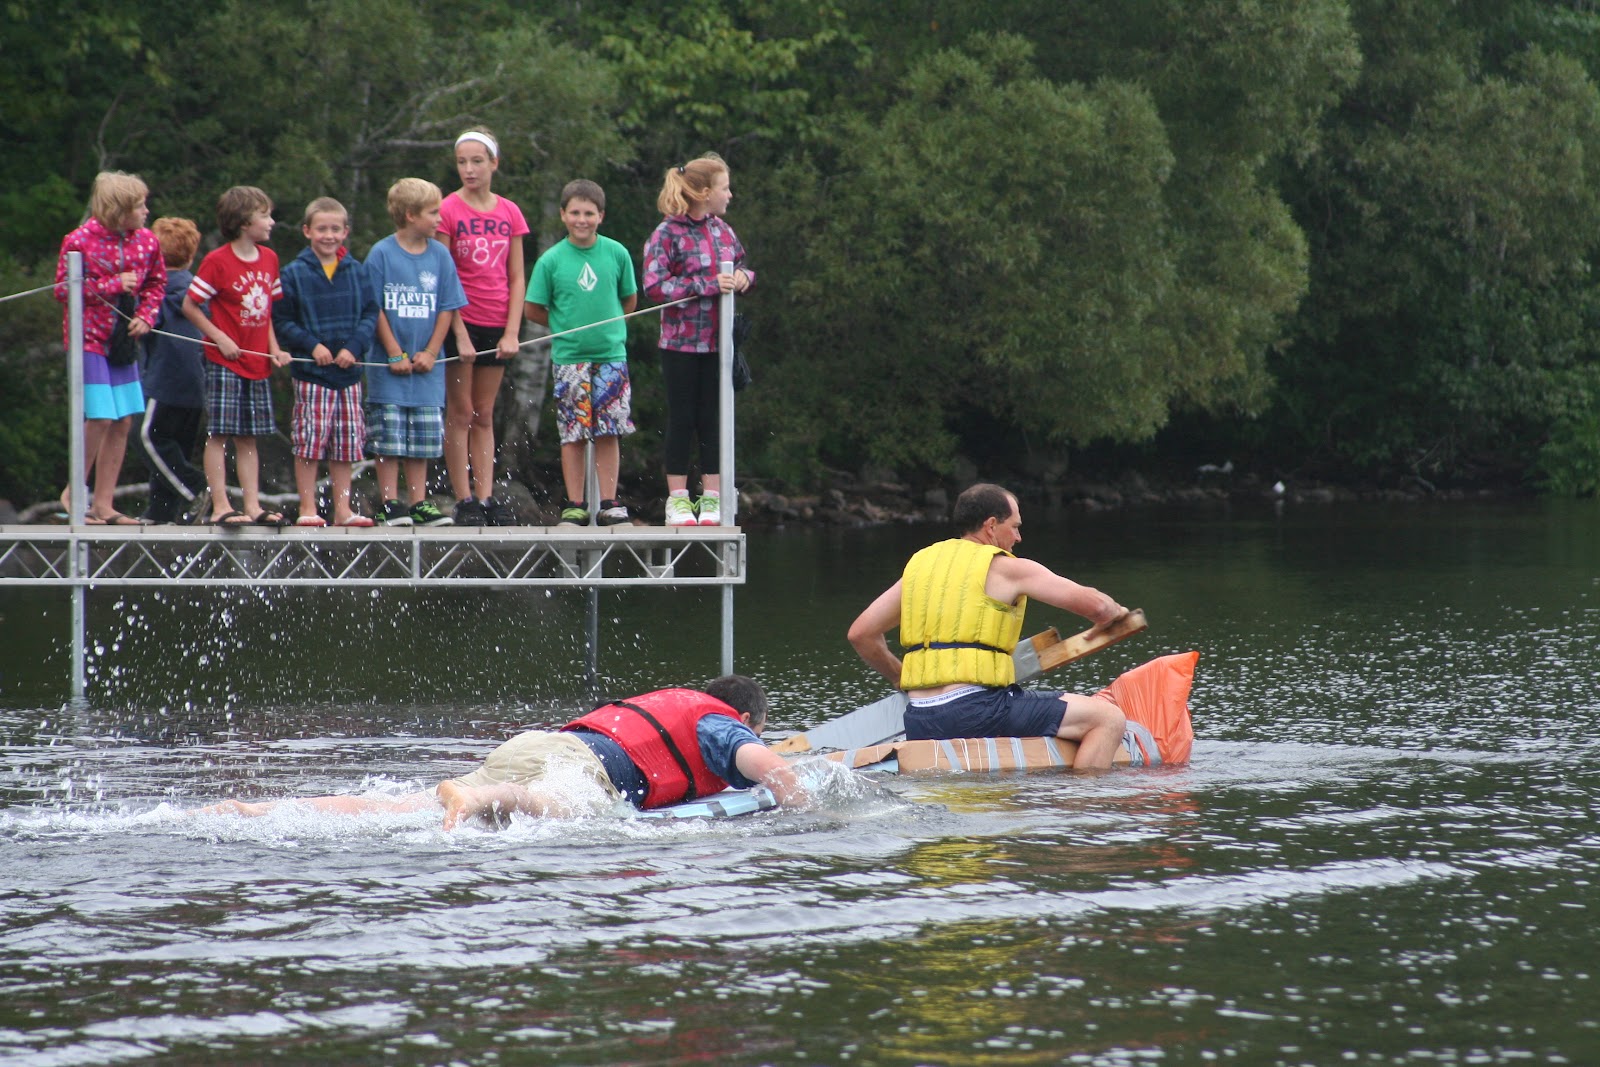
[[959, 607]]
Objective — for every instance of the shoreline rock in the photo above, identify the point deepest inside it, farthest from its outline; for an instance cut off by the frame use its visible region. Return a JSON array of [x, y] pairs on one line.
[[879, 498]]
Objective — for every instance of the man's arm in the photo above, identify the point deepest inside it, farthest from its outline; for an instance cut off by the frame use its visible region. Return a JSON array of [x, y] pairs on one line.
[[867, 634], [759, 763], [1014, 576]]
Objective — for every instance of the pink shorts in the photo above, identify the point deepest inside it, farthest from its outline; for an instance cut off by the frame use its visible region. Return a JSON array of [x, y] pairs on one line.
[[328, 423]]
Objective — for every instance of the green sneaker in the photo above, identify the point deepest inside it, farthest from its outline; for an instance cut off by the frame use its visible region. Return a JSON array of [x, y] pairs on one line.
[[709, 510], [427, 514], [680, 511], [573, 514]]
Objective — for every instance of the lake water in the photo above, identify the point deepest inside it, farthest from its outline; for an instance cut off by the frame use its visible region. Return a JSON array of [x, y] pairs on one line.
[[1385, 851]]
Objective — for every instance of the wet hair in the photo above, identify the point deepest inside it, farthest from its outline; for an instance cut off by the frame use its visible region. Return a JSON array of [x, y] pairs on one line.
[[180, 240], [743, 695], [324, 205], [115, 195], [237, 206], [688, 185], [410, 196], [583, 189], [980, 502]]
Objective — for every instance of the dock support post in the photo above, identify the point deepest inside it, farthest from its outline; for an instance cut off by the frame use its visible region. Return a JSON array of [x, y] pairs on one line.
[[591, 645]]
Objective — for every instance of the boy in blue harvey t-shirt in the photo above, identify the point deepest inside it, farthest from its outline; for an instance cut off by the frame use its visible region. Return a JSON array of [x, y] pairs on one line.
[[418, 293]]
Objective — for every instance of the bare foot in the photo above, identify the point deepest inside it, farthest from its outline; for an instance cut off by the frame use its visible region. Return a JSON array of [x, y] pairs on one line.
[[455, 801], [236, 807]]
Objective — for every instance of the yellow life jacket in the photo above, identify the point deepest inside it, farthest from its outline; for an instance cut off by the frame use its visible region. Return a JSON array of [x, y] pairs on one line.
[[952, 630]]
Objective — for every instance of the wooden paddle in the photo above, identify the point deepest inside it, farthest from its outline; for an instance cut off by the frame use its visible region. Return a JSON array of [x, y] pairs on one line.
[[884, 720]]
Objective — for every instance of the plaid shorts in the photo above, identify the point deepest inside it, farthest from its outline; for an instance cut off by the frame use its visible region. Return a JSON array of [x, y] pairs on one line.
[[328, 423], [237, 407], [408, 433], [601, 392]]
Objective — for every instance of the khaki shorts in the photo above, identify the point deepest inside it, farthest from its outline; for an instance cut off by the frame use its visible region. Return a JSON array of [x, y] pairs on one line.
[[533, 756]]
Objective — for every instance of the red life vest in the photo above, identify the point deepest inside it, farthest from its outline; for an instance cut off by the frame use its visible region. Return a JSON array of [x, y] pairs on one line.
[[657, 732]]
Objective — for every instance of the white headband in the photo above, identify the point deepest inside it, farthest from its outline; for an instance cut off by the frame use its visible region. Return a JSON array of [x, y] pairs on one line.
[[483, 139]]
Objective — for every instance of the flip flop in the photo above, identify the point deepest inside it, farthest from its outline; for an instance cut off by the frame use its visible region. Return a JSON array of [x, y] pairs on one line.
[[231, 520], [309, 520], [269, 518], [358, 521], [116, 518]]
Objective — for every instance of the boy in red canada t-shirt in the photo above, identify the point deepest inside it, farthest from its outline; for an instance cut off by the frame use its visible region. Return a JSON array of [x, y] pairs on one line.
[[237, 283]]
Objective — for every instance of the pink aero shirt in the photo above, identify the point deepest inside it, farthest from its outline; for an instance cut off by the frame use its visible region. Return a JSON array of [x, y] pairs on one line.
[[480, 243]]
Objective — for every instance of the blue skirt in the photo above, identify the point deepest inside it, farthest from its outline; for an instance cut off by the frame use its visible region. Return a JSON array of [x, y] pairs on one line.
[[110, 392]]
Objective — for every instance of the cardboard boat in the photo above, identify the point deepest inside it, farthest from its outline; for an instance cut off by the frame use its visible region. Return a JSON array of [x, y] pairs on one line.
[[1154, 696]]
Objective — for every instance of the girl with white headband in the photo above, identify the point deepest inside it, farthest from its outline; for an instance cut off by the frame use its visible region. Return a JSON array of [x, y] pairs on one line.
[[484, 234]]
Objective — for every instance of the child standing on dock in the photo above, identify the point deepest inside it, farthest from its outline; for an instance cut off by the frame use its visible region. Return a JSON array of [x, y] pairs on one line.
[[682, 259], [484, 234], [586, 279], [327, 317], [237, 284], [418, 293], [174, 379], [123, 280]]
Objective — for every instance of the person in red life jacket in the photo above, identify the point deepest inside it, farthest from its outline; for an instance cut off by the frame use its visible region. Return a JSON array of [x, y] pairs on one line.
[[959, 607], [652, 750]]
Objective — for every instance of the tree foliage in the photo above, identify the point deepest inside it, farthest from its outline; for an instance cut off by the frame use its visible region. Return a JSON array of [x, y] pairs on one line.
[[1358, 233], [1453, 218], [1010, 233]]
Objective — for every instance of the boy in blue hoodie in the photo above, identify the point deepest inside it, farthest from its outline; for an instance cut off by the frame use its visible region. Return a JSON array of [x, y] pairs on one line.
[[174, 379], [326, 321]]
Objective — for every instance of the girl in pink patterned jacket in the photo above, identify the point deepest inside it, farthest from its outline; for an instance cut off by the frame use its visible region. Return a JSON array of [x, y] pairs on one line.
[[124, 280]]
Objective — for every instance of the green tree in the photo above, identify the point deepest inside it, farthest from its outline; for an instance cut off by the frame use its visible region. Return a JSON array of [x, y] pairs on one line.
[[68, 72], [342, 97], [1453, 216], [993, 246]]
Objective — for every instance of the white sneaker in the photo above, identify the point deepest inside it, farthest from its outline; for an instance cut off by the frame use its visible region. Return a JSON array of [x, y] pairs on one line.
[[710, 510], [680, 511]]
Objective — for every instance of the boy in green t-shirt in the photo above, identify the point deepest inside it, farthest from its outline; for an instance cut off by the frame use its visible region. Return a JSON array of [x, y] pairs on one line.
[[587, 279]]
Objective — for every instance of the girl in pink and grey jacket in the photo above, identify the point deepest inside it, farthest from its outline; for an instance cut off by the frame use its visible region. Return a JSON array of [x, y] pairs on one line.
[[682, 259]]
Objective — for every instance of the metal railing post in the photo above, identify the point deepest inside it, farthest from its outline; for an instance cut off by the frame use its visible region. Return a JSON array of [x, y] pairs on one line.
[[730, 491], [77, 502], [730, 494]]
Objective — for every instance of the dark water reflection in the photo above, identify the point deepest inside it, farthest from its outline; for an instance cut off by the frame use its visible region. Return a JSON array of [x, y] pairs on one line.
[[1385, 850]]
